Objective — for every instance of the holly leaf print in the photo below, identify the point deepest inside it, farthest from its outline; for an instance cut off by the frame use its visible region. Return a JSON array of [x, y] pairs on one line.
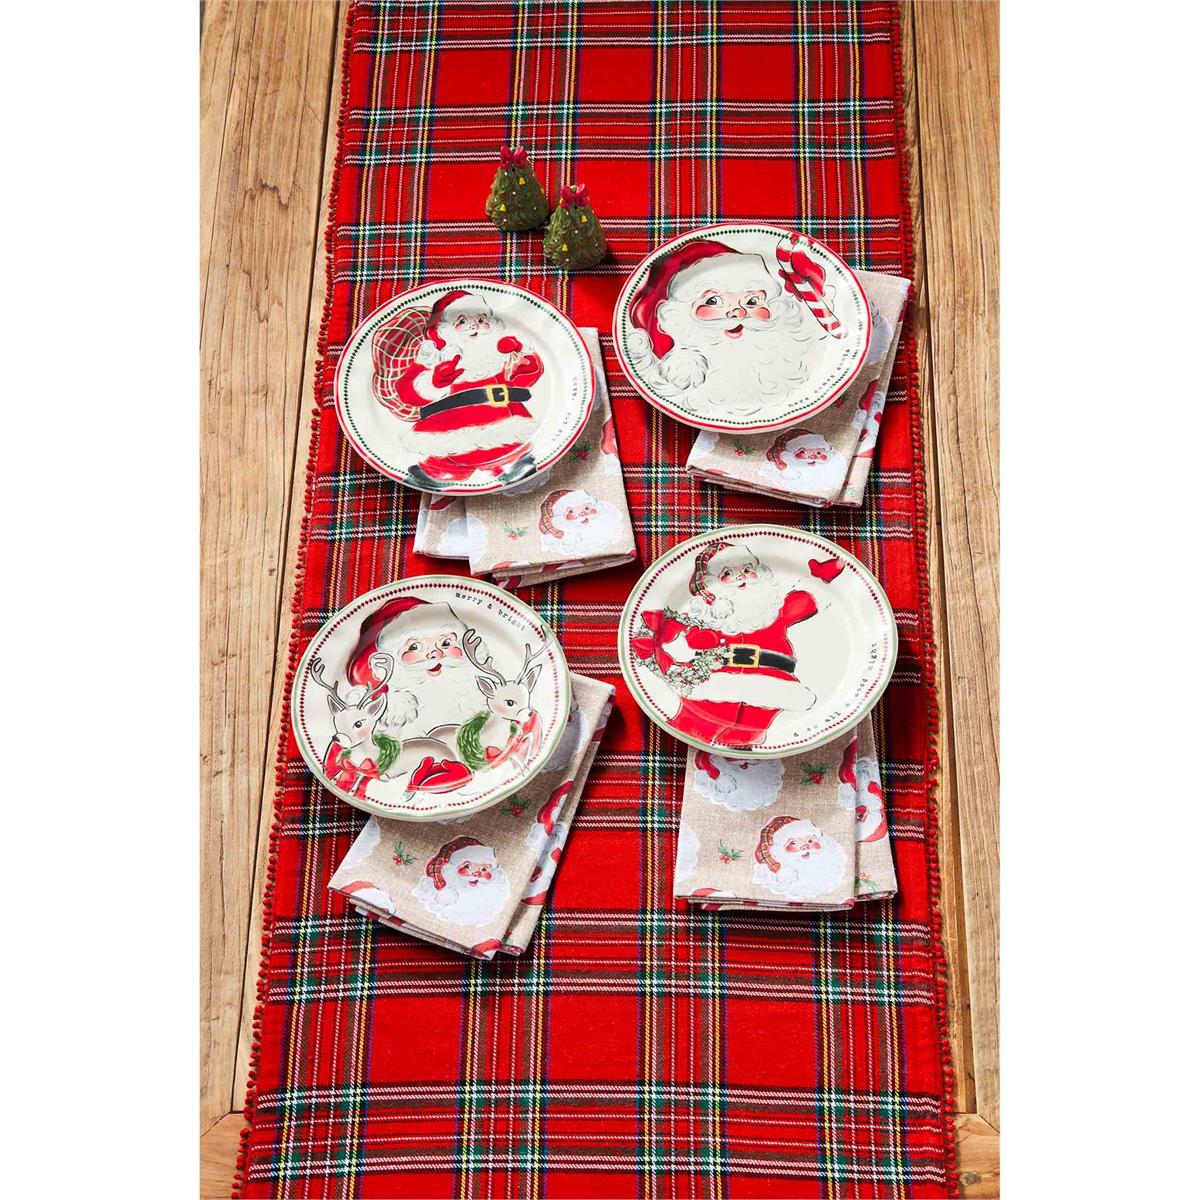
[[401, 857], [726, 854]]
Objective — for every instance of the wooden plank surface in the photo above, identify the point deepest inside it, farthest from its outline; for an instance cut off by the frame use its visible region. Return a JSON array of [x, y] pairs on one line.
[[265, 77], [267, 149], [957, 56], [958, 1001], [283, 635]]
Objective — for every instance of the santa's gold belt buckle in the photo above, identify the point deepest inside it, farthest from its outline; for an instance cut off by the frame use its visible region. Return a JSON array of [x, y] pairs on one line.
[[497, 394], [754, 652]]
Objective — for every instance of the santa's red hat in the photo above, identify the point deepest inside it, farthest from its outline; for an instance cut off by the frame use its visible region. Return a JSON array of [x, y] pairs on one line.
[[446, 308], [548, 814], [436, 866], [705, 763], [359, 668], [846, 772], [546, 513], [669, 275]]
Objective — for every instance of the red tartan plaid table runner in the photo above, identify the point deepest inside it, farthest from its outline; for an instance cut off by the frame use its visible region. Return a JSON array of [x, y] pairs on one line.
[[637, 1048]]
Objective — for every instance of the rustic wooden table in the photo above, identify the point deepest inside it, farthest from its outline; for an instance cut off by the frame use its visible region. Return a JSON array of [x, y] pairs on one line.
[[269, 76]]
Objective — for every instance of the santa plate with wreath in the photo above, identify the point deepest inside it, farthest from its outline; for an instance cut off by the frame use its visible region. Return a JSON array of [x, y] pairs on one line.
[[430, 698], [464, 388], [742, 328], [757, 641]]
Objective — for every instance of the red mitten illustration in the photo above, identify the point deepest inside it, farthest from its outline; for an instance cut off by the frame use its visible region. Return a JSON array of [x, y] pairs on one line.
[[445, 373]]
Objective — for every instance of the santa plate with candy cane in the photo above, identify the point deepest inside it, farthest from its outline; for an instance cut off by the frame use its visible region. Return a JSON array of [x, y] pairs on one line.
[[430, 698], [757, 641], [464, 388], [742, 328]]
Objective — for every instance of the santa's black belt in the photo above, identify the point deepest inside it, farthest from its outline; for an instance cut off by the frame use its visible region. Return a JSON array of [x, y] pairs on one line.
[[495, 395], [754, 656]]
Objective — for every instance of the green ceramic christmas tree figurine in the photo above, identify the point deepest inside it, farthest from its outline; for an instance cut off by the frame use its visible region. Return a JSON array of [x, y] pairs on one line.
[[516, 201], [575, 240]]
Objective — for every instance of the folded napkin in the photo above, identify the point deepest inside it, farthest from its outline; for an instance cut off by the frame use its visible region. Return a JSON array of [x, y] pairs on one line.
[[573, 520], [476, 884], [826, 459], [807, 832]]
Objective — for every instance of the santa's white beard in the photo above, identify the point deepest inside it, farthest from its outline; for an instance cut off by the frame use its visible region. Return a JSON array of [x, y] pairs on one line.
[[741, 788], [687, 853], [740, 609], [600, 531], [448, 697], [478, 356], [803, 878], [461, 903], [743, 375]]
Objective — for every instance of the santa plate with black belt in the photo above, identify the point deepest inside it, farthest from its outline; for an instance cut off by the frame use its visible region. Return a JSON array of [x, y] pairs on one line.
[[757, 640], [464, 388]]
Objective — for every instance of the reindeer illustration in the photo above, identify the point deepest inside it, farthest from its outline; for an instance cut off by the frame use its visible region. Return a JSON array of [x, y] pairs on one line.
[[508, 727], [361, 751]]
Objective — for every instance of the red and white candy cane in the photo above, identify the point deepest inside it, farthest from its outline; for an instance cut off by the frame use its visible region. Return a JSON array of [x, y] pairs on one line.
[[805, 279]]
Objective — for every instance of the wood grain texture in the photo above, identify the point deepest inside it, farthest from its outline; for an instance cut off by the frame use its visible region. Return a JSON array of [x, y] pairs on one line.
[[218, 1157], [958, 1000], [284, 632], [265, 77], [978, 1157], [957, 59]]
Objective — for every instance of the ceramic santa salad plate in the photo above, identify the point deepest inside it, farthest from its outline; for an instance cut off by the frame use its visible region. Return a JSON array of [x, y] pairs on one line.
[[431, 697], [757, 641], [465, 387], [742, 328]]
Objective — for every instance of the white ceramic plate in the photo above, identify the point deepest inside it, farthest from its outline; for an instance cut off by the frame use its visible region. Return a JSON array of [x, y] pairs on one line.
[[757, 641], [742, 328], [430, 698], [465, 387]]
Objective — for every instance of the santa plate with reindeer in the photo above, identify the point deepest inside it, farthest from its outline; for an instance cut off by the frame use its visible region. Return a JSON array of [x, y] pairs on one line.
[[757, 641], [464, 388], [742, 328], [429, 698]]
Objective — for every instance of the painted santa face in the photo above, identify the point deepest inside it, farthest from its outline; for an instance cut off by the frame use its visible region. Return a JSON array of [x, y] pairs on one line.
[[805, 454], [802, 863], [739, 576], [732, 309], [581, 512], [469, 326], [473, 888], [745, 597], [802, 846], [430, 655], [473, 872]]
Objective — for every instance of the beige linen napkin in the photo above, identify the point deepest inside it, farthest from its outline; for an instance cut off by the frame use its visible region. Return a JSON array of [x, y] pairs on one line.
[[826, 459], [807, 832], [571, 521], [476, 884]]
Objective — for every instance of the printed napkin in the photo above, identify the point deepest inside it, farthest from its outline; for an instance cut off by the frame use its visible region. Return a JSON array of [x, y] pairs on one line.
[[825, 460], [807, 832], [476, 884], [573, 520]]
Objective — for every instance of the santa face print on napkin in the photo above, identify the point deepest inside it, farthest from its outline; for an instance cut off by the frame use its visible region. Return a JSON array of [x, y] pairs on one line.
[[806, 832], [826, 459], [476, 884], [571, 521]]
